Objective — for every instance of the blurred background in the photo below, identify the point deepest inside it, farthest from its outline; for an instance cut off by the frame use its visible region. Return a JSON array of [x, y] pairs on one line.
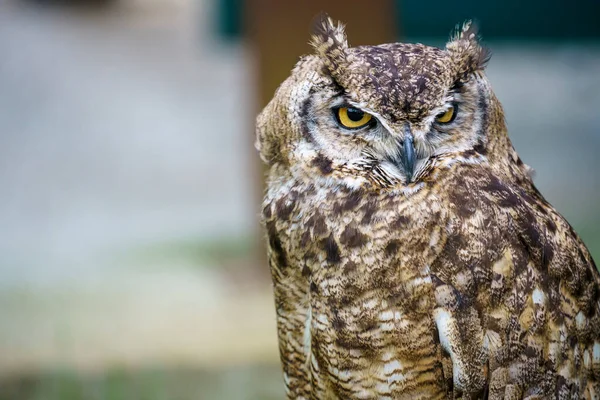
[[131, 259]]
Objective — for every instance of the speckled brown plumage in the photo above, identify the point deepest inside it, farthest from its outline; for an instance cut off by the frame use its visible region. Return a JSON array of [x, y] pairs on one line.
[[450, 279]]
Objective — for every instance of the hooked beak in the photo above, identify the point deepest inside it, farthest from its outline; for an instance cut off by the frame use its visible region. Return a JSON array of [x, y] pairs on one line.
[[408, 154]]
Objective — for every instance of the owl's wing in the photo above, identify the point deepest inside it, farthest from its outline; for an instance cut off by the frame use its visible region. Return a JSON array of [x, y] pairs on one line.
[[293, 313], [517, 295]]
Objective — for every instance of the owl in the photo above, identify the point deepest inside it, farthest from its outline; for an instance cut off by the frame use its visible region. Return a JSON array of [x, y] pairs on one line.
[[411, 255]]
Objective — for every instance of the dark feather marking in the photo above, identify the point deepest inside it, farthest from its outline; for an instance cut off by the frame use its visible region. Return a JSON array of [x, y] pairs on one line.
[[350, 267], [547, 253], [337, 322], [464, 207], [351, 202], [267, 213], [352, 237], [332, 249], [304, 120], [506, 197], [305, 238], [480, 148], [323, 163], [496, 187], [551, 225], [368, 209], [317, 223], [400, 222], [392, 247], [283, 209], [457, 86], [305, 271], [276, 247]]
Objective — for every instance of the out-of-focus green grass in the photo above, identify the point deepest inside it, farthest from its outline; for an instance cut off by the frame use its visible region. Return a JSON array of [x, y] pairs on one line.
[[240, 383], [192, 251]]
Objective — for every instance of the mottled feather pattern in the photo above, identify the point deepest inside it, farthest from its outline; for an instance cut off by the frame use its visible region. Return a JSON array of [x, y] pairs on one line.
[[458, 281]]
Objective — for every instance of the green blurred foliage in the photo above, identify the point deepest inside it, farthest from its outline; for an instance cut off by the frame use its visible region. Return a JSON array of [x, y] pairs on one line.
[[193, 251], [241, 383]]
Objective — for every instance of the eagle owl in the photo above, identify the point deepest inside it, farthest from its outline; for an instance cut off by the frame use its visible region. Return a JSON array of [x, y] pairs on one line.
[[411, 255]]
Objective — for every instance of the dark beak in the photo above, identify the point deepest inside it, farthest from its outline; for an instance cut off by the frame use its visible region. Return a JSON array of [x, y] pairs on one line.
[[408, 154]]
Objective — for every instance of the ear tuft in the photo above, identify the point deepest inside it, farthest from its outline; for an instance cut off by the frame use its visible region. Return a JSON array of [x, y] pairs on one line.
[[466, 50], [468, 31], [326, 35], [329, 41]]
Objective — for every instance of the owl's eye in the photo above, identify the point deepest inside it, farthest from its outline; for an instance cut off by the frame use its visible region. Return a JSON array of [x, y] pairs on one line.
[[352, 118], [447, 116]]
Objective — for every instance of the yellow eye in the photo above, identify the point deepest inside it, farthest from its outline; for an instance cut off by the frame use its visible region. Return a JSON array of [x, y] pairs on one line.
[[446, 117], [353, 118]]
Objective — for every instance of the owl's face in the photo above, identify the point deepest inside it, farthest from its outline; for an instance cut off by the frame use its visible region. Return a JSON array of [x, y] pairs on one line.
[[377, 114]]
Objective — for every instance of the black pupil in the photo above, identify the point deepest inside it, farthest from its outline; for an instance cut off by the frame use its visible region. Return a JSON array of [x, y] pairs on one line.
[[355, 114]]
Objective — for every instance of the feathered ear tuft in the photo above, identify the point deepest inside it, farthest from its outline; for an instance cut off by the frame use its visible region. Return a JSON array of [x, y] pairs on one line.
[[330, 42], [467, 52]]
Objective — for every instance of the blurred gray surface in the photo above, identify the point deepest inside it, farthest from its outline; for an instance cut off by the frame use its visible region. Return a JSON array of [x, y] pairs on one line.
[[117, 131]]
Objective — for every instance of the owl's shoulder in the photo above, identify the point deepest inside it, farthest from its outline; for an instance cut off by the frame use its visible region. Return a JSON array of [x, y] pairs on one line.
[[484, 204], [500, 233]]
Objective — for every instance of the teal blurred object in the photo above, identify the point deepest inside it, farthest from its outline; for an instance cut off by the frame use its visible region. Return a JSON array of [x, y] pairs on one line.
[[230, 19], [552, 20], [509, 19]]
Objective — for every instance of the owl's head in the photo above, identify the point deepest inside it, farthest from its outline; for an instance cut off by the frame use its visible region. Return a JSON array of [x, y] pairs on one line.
[[379, 115]]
